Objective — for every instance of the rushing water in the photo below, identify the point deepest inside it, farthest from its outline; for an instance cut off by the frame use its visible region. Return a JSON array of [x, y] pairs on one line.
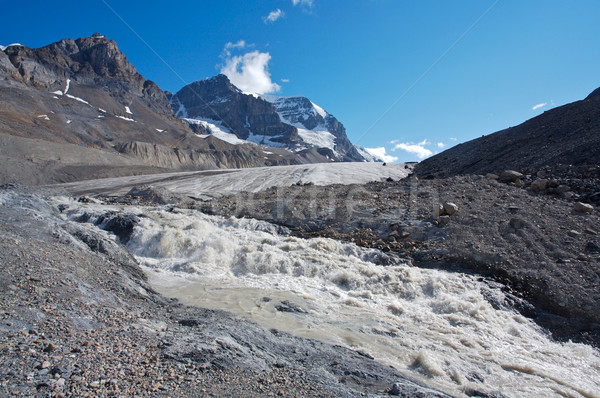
[[435, 325]]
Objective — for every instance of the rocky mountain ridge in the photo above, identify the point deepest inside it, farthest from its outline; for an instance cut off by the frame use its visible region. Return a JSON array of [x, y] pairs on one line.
[[104, 118], [293, 123]]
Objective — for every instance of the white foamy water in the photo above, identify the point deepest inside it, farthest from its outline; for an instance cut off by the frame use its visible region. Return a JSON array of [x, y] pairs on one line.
[[434, 325]]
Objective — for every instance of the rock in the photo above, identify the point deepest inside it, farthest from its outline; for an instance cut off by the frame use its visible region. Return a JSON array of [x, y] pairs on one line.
[[288, 306], [590, 231], [510, 176], [539, 185], [155, 195], [492, 176], [50, 347], [562, 189], [553, 184], [44, 365], [439, 210], [513, 209], [120, 224], [516, 223], [443, 221], [573, 234], [409, 389], [450, 208], [583, 207], [567, 195]]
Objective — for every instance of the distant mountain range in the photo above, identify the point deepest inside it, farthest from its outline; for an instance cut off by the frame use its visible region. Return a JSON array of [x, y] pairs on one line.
[[78, 109]]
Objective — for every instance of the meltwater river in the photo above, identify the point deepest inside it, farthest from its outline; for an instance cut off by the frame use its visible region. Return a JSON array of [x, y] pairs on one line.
[[437, 326]]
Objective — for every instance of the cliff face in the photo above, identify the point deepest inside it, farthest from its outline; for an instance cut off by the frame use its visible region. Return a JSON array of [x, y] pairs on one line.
[[244, 115]]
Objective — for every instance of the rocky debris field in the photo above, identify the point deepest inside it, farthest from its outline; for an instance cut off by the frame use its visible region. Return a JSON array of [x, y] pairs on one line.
[[79, 319], [536, 234]]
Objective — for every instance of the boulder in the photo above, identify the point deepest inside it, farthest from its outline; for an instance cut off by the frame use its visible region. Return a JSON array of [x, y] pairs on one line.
[[510, 176], [539, 185], [443, 220], [450, 208], [581, 207]]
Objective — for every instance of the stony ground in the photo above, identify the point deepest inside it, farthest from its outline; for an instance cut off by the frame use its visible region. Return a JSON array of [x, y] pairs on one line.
[[78, 319], [523, 231]]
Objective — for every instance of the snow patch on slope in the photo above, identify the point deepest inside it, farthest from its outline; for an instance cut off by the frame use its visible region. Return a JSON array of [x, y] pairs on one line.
[[77, 99], [319, 110], [319, 138], [265, 140], [216, 129], [10, 45], [125, 118]]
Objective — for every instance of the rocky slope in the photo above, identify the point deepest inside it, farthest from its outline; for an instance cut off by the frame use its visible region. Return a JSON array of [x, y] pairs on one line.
[[566, 135], [86, 100], [293, 123]]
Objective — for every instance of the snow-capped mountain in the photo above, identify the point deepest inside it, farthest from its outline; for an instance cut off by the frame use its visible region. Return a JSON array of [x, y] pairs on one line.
[[316, 127], [215, 106]]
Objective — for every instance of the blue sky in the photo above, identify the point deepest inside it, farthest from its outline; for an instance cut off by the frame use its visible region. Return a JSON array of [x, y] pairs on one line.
[[413, 77]]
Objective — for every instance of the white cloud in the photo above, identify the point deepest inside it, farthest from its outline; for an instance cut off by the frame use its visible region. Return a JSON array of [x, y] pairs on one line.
[[453, 139], [240, 45], [416, 149], [306, 3], [381, 153], [285, 80], [249, 72], [441, 145], [274, 16], [538, 106]]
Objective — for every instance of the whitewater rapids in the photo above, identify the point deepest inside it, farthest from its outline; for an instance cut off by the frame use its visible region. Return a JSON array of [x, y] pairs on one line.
[[449, 329]]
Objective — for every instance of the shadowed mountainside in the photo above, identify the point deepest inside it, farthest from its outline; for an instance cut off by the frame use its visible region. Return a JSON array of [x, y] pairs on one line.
[[567, 135]]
